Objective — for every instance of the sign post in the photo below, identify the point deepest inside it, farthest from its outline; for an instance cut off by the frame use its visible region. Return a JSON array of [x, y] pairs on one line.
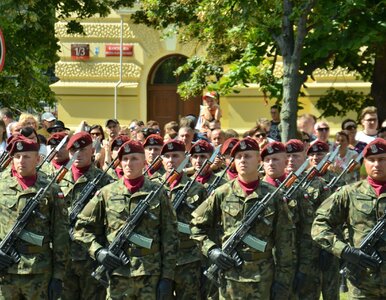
[[2, 50]]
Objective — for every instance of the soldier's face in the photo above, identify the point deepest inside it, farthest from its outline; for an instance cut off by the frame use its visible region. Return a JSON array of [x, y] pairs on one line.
[[84, 158], [295, 160], [62, 155], [376, 166], [25, 163], [274, 164], [151, 152], [198, 160], [171, 160], [315, 158], [247, 163], [132, 165]]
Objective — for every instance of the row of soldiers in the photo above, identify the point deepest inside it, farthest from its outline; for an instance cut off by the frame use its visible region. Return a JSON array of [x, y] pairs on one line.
[[145, 230]]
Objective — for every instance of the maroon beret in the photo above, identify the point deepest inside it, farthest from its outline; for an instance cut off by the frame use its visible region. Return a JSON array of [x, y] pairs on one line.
[[130, 147], [23, 144], [272, 148], [318, 146], [228, 145], [79, 140], [201, 146], [56, 138], [153, 140], [245, 145], [173, 146], [119, 141], [293, 146], [378, 146], [11, 139]]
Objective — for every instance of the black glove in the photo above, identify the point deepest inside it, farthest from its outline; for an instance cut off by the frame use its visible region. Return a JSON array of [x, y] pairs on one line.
[[359, 258], [279, 292], [325, 260], [5, 261], [55, 289], [165, 289], [108, 259], [221, 259], [299, 281]]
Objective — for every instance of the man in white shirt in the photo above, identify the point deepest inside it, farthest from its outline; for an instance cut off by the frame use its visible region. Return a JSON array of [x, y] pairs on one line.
[[369, 121]]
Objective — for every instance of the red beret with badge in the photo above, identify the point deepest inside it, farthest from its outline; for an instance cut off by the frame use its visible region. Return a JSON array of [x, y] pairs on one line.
[[293, 146], [272, 148], [119, 141], [245, 145], [23, 144], [377, 146], [56, 138], [228, 145], [79, 140], [130, 147], [201, 146], [173, 146], [153, 140], [318, 146]]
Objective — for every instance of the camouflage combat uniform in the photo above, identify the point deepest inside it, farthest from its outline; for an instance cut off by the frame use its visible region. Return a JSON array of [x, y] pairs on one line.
[[189, 259], [29, 278], [358, 206], [78, 283], [105, 215], [226, 207]]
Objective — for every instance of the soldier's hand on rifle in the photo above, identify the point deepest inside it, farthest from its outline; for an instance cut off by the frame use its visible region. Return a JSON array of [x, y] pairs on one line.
[[359, 258], [222, 260], [5, 261], [165, 289], [108, 259]]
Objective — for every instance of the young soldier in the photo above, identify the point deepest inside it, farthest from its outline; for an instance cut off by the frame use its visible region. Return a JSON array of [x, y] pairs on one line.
[[153, 145], [260, 276], [116, 144], [78, 282], [61, 157], [226, 149], [40, 271], [188, 270], [359, 206], [150, 270]]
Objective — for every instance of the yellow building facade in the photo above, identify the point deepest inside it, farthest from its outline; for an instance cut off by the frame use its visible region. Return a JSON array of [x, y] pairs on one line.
[[101, 86]]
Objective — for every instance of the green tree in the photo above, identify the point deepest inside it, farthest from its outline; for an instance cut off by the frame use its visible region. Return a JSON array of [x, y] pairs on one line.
[[28, 27]]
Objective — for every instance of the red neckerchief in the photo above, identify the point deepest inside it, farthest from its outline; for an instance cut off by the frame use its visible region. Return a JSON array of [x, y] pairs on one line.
[[275, 182], [175, 182], [119, 172], [26, 181], [57, 165], [133, 185], [232, 173], [204, 178], [248, 187], [378, 186], [78, 172]]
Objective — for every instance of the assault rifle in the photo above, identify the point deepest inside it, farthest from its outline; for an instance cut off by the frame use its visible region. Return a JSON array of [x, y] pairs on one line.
[[6, 160], [3, 155], [88, 191], [349, 168], [255, 213], [218, 179], [31, 208], [155, 163], [127, 231], [53, 152]]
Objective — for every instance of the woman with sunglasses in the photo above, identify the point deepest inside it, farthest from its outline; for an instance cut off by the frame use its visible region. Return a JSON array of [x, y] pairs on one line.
[[350, 126], [98, 135]]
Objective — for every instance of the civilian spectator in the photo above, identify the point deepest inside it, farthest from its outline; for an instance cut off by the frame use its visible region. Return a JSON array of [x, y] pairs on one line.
[[3, 136], [351, 127], [30, 133], [369, 121], [306, 123], [7, 116], [186, 134], [170, 130], [29, 120], [274, 131], [58, 127], [322, 132], [112, 128], [47, 121], [98, 136], [210, 110], [217, 137], [231, 133], [260, 135]]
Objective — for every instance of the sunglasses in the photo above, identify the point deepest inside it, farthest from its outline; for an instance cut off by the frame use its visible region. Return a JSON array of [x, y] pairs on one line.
[[323, 129], [260, 135]]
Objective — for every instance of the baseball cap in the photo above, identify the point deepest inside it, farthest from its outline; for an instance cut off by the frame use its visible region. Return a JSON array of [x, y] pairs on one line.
[[47, 116]]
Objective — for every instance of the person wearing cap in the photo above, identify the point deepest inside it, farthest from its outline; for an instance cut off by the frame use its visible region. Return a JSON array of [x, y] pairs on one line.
[[47, 121], [262, 275], [151, 271], [359, 206], [112, 128], [225, 151], [58, 126], [188, 265], [78, 282], [39, 273], [117, 172], [153, 145], [210, 110]]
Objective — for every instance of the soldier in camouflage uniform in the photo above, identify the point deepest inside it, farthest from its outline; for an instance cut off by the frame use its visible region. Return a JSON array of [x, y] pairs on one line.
[[189, 259], [78, 282], [150, 270], [359, 205], [116, 171], [262, 274], [225, 152], [40, 271], [153, 145]]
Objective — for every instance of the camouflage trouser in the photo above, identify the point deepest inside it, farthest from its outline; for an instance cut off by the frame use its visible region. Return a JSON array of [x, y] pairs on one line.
[[141, 287], [187, 281], [79, 284], [245, 290], [29, 287], [331, 280], [365, 290]]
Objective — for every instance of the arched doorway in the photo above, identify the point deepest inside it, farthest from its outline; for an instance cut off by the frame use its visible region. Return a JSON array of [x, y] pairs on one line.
[[163, 102]]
